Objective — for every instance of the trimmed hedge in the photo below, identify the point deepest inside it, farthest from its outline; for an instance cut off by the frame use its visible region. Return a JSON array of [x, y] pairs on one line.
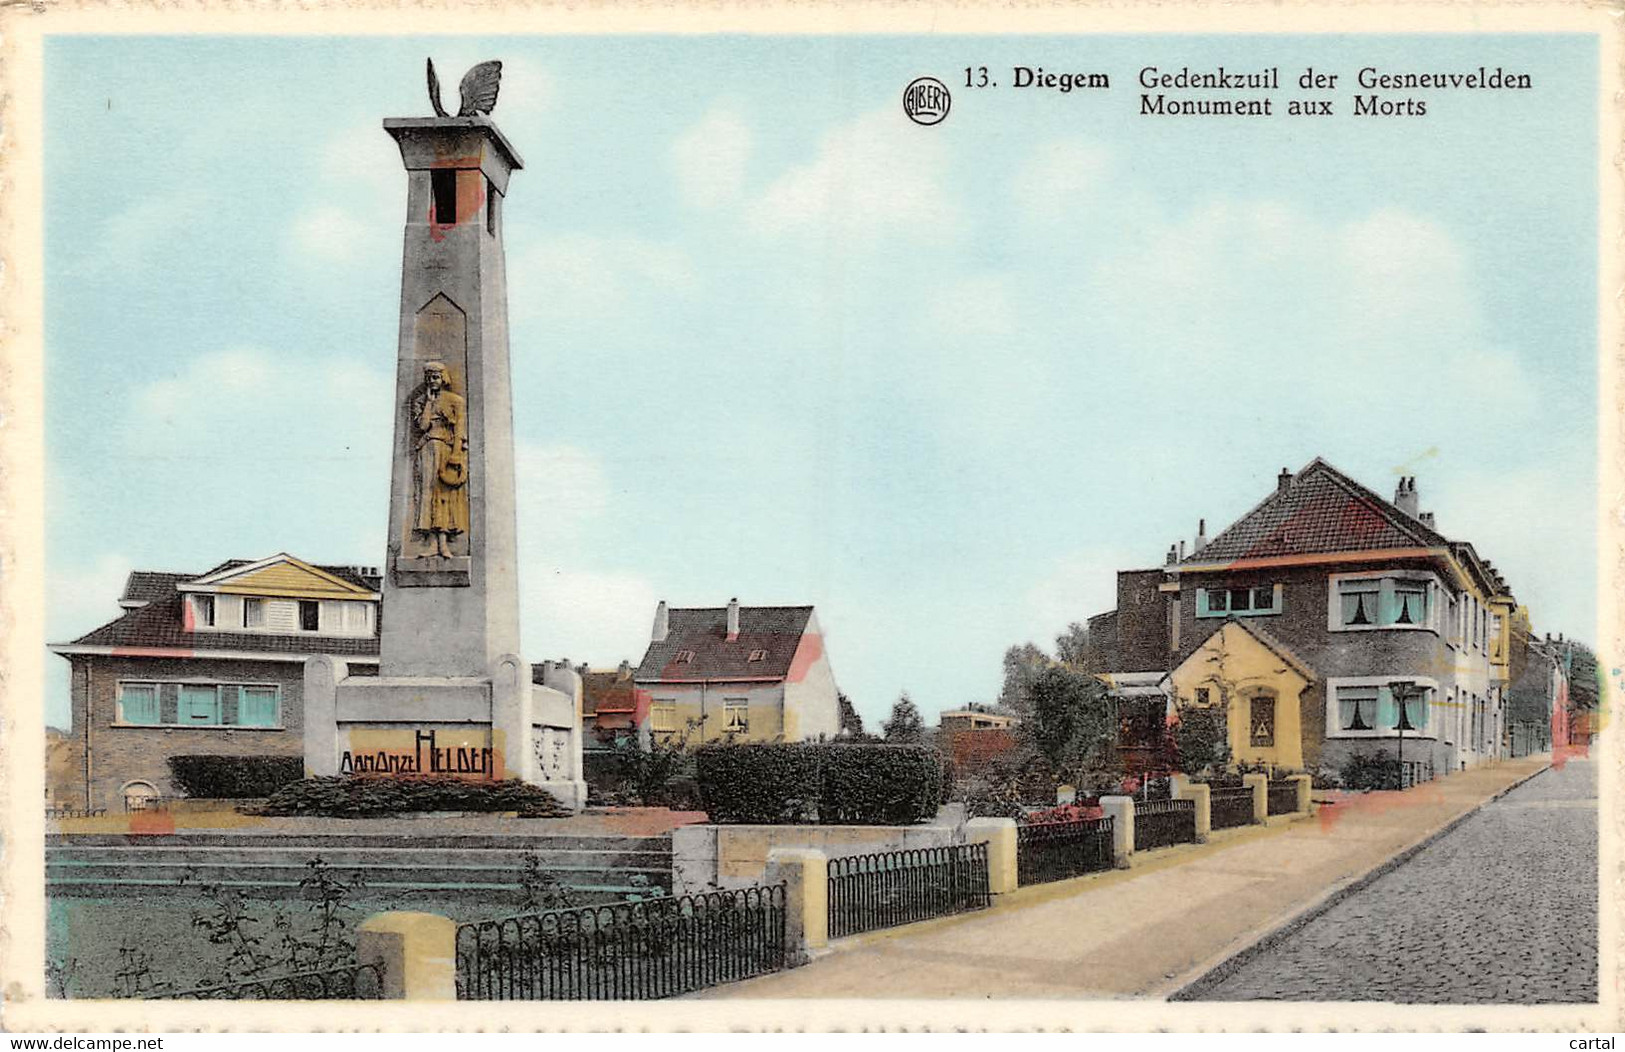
[[363, 797], [879, 784], [779, 784], [770, 784], [234, 777]]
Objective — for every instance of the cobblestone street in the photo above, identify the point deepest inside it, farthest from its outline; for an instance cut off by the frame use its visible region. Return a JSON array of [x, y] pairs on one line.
[[1501, 910]]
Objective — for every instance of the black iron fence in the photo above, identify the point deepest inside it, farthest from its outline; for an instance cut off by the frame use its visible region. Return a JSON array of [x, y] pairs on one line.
[[1049, 851], [900, 887], [1283, 797], [629, 951], [1230, 807], [356, 982], [1163, 823]]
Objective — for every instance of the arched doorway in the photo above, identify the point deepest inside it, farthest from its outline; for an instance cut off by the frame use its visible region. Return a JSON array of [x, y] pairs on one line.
[[139, 796]]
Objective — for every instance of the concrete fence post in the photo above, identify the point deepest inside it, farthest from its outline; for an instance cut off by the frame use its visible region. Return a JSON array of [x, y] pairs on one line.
[[805, 875], [1260, 785], [1305, 784], [418, 952], [1185, 789], [999, 834], [1120, 809]]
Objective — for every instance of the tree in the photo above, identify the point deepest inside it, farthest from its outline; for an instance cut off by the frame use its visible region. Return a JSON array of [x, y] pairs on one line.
[[851, 722], [1022, 664], [906, 727], [1072, 723], [1072, 646], [1201, 739], [1585, 688]]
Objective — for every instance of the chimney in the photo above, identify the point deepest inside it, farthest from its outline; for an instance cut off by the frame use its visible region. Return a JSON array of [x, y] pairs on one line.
[[1201, 536], [624, 669], [1173, 555], [1182, 549], [733, 619], [1427, 520], [1405, 497], [1283, 480], [662, 623]]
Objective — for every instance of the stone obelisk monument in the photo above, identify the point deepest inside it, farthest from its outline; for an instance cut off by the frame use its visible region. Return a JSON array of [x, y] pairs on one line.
[[451, 696]]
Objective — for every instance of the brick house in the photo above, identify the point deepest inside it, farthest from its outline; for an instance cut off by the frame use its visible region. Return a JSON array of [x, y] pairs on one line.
[[752, 673], [206, 664], [1327, 621]]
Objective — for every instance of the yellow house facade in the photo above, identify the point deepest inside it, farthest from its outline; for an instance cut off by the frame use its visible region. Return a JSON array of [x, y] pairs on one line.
[[1260, 684]]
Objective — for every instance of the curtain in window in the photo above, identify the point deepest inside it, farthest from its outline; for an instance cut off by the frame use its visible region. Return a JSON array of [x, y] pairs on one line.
[[199, 705], [1411, 604], [1357, 708], [1359, 603], [1416, 709], [138, 703], [257, 707]]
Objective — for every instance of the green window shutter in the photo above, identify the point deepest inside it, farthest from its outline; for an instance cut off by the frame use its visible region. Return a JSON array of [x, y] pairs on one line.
[[138, 703], [199, 705], [257, 707]]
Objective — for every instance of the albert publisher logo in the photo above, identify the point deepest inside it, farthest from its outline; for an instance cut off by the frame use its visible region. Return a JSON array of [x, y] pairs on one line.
[[926, 101]]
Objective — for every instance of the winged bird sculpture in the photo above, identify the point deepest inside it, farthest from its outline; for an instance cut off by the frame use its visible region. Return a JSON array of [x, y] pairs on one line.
[[478, 89]]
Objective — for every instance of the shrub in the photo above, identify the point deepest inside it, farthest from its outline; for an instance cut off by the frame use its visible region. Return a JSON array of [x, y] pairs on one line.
[[768, 784], [364, 797], [234, 777], [840, 784], [1370, 771], [878, 784]]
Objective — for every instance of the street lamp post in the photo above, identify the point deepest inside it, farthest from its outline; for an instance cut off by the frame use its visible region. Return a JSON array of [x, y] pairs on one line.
[[1400, 689]]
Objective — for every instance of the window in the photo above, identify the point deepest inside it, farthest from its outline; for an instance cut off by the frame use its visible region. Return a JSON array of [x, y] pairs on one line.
[[199, 705], [758, 655], [1357, 708], [1262, 720], [203, 611], [138, 796], [492, 200], [443, 184], [663, 716], [357, 618], [1410, 603], [259, 707], [1204, 696], [1381, 602], [685, 657], [1238, 602], [138, 703], [253, 613], [310, 615], [736, 715], [1359, 601]]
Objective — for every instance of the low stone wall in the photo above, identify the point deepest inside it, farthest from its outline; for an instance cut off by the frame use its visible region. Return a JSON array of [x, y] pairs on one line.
[[709, 857]]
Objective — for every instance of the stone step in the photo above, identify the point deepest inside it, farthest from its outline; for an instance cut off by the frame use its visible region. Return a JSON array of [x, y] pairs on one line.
[[173, 873], [396, 891], [333, 841], [182, 854]]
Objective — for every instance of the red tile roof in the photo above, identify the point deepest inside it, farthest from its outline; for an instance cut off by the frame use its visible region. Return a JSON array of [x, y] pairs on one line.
[[1321, 511], [777, 630]]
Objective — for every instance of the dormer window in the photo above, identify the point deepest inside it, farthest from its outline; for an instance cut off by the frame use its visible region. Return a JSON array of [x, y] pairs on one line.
[[253, 613], [310, 615], [203, 611], [758, 655]]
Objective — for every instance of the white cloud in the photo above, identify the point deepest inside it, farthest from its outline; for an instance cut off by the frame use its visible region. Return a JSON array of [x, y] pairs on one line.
[[972, 308], [872, 178], [85, 595], [599, 618], [580, 276], [562, 491], [332, 235], [709, 159], [1074, 588], [1061, 176]]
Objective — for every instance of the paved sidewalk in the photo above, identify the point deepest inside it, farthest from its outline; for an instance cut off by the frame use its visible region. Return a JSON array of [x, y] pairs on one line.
[[1146, 931]]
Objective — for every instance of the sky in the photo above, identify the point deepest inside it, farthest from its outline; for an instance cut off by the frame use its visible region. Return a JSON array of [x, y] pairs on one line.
[[772, 340]]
